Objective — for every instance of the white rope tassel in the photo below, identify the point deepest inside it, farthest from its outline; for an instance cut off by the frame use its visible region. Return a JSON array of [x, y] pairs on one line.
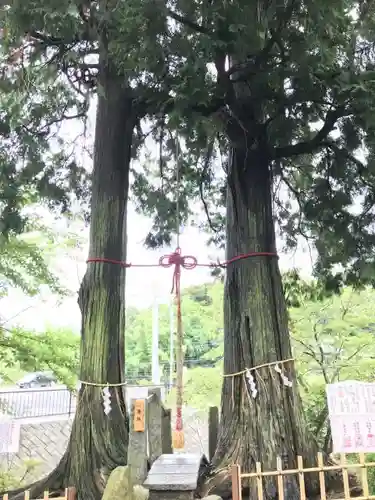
[[106, 394], [284, 378], [252, 385]]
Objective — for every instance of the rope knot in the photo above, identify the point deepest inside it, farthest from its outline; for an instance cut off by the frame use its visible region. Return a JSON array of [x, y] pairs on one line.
[[177, 260]]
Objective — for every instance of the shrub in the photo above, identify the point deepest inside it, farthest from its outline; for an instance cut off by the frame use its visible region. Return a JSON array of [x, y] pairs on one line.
[[17, 477], [8, 481]]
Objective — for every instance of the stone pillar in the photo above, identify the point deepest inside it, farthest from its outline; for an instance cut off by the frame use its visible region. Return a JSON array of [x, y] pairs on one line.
[[155, 420], [137, 451]]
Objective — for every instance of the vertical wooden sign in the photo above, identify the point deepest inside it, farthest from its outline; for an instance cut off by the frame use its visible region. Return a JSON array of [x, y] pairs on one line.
[[139, 415]]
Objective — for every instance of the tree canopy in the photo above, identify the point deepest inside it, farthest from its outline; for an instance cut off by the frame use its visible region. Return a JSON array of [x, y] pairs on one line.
[[308, 71], [282, 91]]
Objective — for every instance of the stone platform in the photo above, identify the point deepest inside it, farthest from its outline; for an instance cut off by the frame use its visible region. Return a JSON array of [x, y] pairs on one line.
[[174, 476]]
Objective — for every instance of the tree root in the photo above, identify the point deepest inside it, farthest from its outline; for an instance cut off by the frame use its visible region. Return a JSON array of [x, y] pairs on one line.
[[214, 482]]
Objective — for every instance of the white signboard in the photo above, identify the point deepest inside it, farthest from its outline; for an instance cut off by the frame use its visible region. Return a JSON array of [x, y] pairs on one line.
[[9, 435], [351, 407]]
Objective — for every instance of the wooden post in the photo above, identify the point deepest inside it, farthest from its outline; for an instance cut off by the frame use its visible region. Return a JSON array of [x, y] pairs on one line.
[[213, 429], [167, 431], [71, 493], [236, 482]]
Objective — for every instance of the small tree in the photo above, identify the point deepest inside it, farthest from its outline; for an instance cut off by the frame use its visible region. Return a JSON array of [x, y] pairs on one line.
[[332, 341]]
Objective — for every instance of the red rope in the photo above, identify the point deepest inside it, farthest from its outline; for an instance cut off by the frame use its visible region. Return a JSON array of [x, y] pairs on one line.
[[177, 260], [181, 261], [187, 262], [179, 425]]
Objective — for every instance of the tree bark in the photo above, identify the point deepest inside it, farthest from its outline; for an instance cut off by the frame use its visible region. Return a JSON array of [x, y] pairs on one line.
[[98, 442], [256, 332]]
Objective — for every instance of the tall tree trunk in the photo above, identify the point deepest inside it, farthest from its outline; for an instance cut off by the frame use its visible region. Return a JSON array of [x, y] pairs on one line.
[[98, 442], [256, 332]]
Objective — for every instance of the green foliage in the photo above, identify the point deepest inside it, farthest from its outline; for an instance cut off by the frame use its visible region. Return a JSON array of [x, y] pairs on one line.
[[16, 477], [293, 83], [332, 337], [332, 340], [370, 457], [50, 72], [56, 350], [202, 388], [7, 481], [300, 81], [297, 290], [26, 259], [36, 163], [25, 262], [202, 323], [202, 314], [23, 265]]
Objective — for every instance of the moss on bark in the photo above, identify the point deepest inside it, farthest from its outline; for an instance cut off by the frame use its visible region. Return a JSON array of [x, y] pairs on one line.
[[99, 443], [256, 332]]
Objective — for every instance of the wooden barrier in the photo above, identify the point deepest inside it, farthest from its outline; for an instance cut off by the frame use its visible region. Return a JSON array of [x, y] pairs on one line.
[[70, 494], [280, 473]]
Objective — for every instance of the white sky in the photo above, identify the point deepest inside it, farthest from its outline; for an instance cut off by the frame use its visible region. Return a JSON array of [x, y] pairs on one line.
[[142, 285]]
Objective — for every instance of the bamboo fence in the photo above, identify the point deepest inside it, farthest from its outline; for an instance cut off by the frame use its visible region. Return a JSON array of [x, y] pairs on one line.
[[344, 466]]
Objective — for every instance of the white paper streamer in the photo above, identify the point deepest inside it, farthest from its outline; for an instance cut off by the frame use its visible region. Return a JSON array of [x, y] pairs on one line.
[[252, 385], [106, 394], [284, 378]]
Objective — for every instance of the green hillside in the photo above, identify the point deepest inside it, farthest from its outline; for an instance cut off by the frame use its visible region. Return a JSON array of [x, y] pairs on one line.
[[332, 339], [339, 326], [203, 330]]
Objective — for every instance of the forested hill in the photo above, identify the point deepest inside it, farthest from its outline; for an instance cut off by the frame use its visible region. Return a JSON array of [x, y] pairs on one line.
[[342, 326], [203, 331]]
